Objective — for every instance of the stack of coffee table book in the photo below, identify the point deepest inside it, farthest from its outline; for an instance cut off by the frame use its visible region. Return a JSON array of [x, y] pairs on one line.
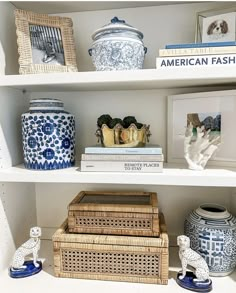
[[121, 159]]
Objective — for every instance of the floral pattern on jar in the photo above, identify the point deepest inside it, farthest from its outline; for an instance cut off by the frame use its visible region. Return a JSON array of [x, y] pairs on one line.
[[48, 136]]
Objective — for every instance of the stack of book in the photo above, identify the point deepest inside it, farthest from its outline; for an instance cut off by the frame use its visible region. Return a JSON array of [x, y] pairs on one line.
[[197, 55], [122, 159]]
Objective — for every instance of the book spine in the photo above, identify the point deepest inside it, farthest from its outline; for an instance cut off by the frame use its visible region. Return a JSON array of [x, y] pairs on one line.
[[121, 166], [196, 61], [197, 51], [200, 45], [108, 157], [140, 151]]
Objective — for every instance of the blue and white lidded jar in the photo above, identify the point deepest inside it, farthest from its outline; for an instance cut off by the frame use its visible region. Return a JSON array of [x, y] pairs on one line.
[[117, 46], [48, 133], [212, 232]]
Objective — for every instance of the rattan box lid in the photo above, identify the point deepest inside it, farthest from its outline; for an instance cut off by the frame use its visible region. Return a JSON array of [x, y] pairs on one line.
[[133, 202], [62, 235]]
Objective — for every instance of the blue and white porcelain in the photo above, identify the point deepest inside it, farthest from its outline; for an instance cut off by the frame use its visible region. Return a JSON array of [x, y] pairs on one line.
[[212, 231], [188, 283], [29, 270], [48, 133], [117, 46]]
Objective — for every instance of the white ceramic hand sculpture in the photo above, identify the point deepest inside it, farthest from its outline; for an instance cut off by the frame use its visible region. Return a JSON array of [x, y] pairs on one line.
[[198, 152]]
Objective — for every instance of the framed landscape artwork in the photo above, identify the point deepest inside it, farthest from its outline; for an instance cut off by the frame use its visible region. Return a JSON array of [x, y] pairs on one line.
[[45, 43], [214, 111]]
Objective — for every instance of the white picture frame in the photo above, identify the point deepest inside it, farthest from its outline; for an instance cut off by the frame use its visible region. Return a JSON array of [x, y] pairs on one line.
[[223, 102], [219, 28]]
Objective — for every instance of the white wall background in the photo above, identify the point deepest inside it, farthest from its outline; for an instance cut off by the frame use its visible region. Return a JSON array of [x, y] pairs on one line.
[[160, 25]]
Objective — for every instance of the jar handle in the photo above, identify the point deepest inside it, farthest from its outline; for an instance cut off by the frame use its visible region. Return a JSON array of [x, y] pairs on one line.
[[145, 50], [117, 20], [90, 51]]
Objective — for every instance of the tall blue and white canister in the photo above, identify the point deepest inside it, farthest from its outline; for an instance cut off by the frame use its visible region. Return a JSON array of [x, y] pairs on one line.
[[212, 232], [48, 133]]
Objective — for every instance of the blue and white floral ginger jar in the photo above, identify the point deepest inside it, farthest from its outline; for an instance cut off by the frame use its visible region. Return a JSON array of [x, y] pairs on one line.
[[117, 46], [48, 133], [212, 232]]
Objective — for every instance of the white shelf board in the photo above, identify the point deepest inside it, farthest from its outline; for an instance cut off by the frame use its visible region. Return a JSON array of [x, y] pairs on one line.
[[177, 176], [122, 80], [46, 282], [76, 6]]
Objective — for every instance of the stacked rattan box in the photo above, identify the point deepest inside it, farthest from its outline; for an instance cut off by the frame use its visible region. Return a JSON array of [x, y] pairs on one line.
[[113, 236]]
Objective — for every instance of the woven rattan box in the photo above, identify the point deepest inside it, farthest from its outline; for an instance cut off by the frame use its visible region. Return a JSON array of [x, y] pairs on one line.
[[110, 257], [116, 213]]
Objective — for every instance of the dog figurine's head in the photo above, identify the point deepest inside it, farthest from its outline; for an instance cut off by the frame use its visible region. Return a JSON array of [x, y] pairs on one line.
[[35, 232], [183, 241], [218, 27]]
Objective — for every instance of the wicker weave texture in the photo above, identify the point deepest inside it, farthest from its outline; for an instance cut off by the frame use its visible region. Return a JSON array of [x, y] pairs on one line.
[[119, 258], [23, 20], [103, 263], [113, 218], [115, 224]]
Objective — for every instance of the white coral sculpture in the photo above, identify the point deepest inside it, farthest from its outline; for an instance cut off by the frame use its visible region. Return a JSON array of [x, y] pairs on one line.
[[197, 152]]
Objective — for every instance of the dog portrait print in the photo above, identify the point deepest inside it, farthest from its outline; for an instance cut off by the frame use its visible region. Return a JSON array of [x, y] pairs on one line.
[[219, 28]]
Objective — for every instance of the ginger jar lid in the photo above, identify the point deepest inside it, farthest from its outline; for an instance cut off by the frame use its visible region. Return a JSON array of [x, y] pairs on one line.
[[46, 104], [117, 26]]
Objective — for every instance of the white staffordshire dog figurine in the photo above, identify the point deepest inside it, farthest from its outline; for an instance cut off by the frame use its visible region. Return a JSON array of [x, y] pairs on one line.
[[193, 259], [31, 246]]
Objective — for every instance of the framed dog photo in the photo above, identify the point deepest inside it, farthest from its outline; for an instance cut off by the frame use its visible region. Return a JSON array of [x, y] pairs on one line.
[[216, 25], [45, 43], [219, 28]]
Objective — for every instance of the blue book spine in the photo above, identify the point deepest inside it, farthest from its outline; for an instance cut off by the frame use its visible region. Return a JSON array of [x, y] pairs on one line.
[[201, 45], [141, 151]]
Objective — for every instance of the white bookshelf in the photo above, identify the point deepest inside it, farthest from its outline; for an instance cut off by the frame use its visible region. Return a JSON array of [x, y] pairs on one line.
[[29, 198], [122, 80], [177, 176]]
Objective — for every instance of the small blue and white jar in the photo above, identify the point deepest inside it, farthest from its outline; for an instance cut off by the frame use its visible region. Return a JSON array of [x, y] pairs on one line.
[[117, 46], [212, 232], [48, 133]]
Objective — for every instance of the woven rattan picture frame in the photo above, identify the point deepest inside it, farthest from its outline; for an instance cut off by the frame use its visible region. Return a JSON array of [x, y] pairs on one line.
[[45, 43]]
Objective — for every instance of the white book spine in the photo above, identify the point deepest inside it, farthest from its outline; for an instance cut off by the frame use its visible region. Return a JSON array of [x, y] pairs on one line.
[[197, 51], [123, 150], [117, 157], [121, 166], [196, 61]]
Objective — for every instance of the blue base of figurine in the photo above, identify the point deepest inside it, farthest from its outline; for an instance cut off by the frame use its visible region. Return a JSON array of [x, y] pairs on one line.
[[28, 271], [188, 283]]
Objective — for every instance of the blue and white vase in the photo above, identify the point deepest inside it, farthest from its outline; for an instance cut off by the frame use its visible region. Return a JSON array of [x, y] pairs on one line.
[[117, 46], [48, 136], [212, 232]]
